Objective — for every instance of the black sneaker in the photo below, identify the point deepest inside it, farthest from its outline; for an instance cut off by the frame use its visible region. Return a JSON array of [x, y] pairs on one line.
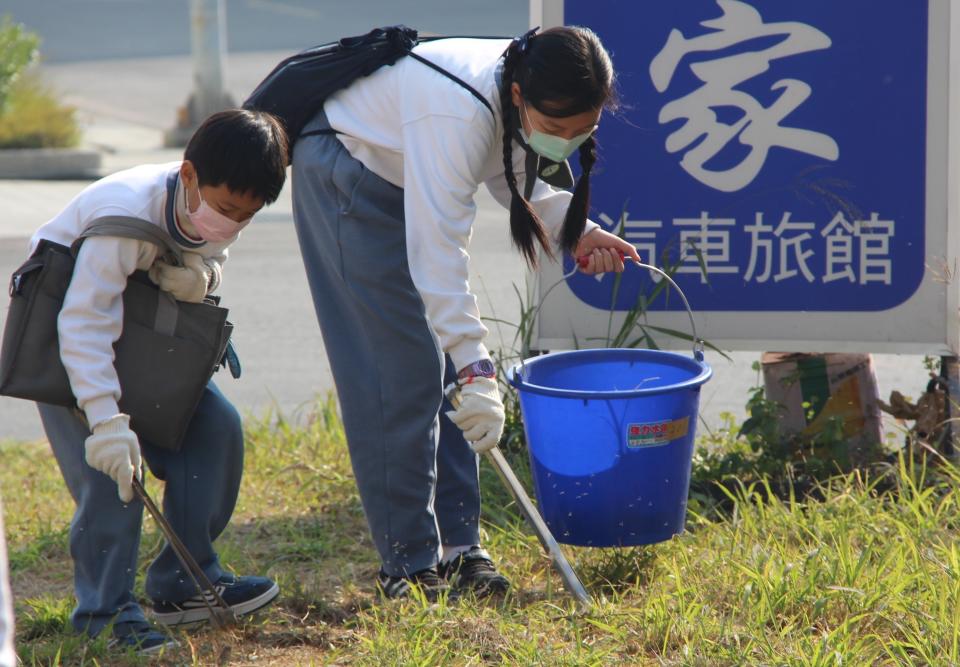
[[141, 637], [426, 581], [243, 595], [474, 571]]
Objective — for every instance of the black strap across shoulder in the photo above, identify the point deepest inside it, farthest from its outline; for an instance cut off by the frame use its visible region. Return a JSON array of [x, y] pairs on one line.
[[450, 75], [299, 85], [317, 133], [454, 77]]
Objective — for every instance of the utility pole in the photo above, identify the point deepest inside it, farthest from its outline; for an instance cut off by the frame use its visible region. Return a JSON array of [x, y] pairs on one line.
[[208, 45]]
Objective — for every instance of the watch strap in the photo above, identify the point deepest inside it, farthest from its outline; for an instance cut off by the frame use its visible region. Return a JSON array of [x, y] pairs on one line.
[[479, 368]]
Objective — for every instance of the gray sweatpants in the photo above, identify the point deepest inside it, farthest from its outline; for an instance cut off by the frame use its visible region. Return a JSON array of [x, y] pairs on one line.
[[202, 483], [416, 474]]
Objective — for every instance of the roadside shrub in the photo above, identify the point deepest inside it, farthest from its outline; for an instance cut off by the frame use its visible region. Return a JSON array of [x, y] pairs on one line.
[[31, 116], [35, 118], [18, 49]]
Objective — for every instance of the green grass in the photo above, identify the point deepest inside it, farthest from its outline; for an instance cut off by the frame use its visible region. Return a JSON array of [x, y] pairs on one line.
[[857, 578]]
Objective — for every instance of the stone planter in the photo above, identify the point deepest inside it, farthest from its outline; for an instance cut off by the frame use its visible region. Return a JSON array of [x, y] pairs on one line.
[[52, 163]]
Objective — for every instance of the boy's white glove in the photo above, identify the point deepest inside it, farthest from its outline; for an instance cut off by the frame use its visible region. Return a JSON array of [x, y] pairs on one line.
[[216, 273], [481, 414], [114, 450], [186, 283]]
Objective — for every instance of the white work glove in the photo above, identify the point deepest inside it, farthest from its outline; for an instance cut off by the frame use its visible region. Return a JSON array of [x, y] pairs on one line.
[[480, 415], [114, 450], [216, 273], [186, 283]]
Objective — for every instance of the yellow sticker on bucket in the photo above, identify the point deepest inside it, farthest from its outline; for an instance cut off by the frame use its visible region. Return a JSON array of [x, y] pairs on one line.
[[652, 434]]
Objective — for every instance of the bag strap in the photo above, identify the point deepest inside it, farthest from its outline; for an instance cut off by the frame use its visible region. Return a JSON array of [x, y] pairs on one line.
[[455, 78], [408, 50], [132, 228], [450, 75]]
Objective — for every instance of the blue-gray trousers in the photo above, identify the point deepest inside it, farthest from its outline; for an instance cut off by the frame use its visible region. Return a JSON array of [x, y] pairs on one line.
[[416, 475], [201, 485]]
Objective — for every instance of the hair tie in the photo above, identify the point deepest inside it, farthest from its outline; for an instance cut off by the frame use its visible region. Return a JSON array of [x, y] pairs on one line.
[[523, 42]]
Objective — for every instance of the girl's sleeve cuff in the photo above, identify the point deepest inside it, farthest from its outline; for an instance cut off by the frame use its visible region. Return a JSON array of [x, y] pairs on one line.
[[466, 352]]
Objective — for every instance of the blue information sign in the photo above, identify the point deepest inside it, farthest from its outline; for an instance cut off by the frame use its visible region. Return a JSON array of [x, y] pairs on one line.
[[780, 145]]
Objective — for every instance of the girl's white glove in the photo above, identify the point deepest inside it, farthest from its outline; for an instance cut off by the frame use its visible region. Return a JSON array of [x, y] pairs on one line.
[[481, 414], [114, 450], [186, 283]]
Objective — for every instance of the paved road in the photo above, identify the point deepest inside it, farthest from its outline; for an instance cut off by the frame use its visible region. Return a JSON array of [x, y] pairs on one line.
[[129, 95]]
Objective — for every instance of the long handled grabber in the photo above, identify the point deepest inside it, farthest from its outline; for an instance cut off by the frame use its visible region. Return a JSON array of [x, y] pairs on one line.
[[570, 579], [221, 615]]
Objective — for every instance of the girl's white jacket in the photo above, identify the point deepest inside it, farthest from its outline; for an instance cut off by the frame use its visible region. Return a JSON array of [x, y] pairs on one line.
[[421, 131], [92, 315]]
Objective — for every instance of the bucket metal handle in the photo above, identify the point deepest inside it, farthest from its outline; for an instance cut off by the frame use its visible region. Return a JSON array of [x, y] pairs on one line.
[[698, 344]]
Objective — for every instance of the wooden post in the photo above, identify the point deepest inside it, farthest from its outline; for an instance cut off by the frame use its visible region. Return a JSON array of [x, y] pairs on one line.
[[950, 371]]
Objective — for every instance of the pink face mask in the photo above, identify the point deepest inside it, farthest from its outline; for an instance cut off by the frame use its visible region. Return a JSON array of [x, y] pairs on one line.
[[212, 225]]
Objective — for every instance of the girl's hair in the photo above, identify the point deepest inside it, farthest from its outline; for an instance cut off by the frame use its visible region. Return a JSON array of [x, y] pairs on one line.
[[561, 72]]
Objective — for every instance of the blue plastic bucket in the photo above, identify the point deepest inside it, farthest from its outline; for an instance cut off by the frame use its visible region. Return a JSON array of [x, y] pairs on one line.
[[610, 434]]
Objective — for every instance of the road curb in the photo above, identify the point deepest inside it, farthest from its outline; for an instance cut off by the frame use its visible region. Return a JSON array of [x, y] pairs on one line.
[[49, 163]]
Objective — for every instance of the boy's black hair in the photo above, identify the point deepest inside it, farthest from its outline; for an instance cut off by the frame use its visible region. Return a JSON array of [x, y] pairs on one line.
[[561, 72], [247, 150]]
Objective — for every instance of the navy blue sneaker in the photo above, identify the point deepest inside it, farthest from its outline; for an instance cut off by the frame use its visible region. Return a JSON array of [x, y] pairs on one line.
[[141, 637], [243, 595], [474, 571]]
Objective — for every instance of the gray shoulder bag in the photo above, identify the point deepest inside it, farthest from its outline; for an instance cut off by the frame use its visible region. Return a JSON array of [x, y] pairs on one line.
[[165, 356]]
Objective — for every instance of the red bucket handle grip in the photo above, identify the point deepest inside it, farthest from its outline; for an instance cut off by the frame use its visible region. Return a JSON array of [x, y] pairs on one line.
[[583, 260]]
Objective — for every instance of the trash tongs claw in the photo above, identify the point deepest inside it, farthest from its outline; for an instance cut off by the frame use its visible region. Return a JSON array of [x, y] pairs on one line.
[[221, 615]]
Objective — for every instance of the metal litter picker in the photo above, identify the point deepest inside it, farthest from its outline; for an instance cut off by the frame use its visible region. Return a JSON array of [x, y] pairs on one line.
[[220, 615], [570, 579]]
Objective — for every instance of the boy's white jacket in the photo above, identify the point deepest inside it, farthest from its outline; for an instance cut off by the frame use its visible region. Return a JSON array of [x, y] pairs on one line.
[[91, 319], [421, 131]]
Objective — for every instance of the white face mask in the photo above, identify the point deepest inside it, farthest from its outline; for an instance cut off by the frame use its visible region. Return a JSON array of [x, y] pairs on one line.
[[551, 146]]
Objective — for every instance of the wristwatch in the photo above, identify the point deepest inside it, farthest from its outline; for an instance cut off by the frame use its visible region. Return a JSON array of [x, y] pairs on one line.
[[481, 368]]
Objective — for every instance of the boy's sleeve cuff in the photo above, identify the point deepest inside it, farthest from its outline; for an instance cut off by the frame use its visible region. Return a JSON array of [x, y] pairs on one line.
[[100, 409]]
